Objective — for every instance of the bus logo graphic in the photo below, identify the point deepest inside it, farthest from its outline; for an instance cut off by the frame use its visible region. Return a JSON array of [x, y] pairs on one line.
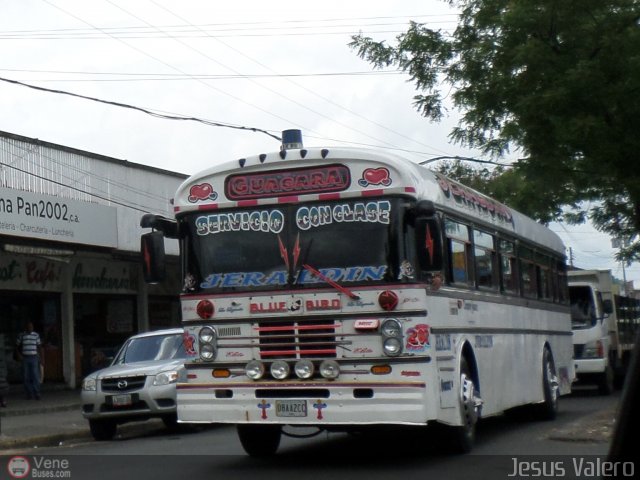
[[375, 176], [418, 338], [18, 467]]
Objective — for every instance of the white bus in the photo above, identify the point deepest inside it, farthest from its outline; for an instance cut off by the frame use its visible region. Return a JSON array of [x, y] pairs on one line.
[[343, 288]]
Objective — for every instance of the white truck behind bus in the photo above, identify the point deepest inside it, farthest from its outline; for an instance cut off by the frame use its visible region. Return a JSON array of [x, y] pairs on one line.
[[604, 325]]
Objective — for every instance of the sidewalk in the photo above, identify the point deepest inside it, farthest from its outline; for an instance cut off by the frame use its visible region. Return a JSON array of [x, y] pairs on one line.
[[53, 419]]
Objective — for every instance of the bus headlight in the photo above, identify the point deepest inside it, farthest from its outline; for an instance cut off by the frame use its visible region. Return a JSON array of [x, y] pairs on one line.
[[392, 346], [280, 370], [391, 328], [207, 335], [329, 369], [304, 369], [391, 337], [207, 351], [254, 370]]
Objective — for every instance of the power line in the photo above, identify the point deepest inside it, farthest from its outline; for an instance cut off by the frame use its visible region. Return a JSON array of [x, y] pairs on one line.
[[257, 24], [177, 69], [143, 110], [179, 76], [316, 94]]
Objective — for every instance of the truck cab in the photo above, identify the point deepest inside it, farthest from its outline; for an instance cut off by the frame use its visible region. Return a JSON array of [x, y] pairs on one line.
[[594, 327]]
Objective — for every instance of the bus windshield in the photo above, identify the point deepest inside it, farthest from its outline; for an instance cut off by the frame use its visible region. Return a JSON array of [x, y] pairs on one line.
[[350, 242]]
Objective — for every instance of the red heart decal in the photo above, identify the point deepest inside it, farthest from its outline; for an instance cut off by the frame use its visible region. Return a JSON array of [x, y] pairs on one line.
[[376, 176], [200, 192]]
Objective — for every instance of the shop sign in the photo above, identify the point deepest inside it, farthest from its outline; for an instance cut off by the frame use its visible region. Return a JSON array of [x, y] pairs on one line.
[[23, 273], [45, 217], [91, 276]]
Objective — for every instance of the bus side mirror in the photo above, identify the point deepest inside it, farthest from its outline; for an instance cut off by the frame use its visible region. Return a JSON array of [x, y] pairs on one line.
[[607, 306], [152, 249], [429, 244]]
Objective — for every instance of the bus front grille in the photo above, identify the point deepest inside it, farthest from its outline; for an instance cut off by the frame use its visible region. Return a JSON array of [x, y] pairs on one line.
[[294, 340]]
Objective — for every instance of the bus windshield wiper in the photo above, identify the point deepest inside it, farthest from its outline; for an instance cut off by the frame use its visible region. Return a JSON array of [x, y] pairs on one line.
[[326, 279]]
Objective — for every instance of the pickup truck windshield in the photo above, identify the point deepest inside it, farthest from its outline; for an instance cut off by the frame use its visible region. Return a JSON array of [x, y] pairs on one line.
[[583, 312], [350, 241]]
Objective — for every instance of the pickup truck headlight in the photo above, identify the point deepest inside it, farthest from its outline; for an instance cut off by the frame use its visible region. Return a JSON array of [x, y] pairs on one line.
[[165, 378], [89, 384]]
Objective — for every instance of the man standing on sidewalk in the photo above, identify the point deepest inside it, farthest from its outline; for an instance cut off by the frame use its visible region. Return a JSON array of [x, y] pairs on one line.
[[29, 349]]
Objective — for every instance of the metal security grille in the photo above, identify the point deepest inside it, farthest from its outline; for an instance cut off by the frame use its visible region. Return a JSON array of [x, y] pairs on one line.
[[123, 384], [292, 340]]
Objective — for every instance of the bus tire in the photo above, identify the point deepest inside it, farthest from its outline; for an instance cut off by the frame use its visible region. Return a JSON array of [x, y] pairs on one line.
[[102, 430], [548, 409], [259, 440], [606, 381], [463, 437]]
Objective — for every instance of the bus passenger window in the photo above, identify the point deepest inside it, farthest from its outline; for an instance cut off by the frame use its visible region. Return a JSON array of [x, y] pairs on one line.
[[509, 280], [484, 259], [458, 250], [546, 289]]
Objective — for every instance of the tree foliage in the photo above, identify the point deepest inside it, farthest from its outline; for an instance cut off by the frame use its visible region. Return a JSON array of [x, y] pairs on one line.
[[557, 79]]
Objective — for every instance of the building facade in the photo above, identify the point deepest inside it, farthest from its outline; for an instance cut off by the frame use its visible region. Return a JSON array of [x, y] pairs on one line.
[[70, 253]]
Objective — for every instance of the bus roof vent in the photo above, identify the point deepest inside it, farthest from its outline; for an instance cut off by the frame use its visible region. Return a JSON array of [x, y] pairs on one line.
[[291, 139]]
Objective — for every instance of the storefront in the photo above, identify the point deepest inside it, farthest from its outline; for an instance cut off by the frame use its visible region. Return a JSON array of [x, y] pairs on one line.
[[70, 261]]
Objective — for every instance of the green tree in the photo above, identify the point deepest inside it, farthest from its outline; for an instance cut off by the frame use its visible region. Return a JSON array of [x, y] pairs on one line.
[[559, 80]]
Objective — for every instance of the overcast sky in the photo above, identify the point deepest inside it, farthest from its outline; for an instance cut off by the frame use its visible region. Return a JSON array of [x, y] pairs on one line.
[[268, 65]]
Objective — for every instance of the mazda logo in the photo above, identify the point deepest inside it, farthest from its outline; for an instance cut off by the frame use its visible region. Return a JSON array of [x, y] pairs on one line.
[[122, 384]]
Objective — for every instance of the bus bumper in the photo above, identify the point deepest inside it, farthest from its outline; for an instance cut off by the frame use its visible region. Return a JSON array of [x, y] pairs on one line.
[[335, 404]]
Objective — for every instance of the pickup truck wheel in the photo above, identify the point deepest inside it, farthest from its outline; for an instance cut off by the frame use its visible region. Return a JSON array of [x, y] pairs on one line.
[[260, 440], [103, 429], [606, 381]]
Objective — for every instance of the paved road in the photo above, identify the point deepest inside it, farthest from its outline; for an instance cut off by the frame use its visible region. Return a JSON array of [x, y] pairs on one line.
[[216, 452]]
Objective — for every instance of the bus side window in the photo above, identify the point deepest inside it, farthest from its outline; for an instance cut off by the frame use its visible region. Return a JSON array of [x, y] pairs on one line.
[[528, 273], [508, 275], [485, 259], [544, 271], [458, 251]]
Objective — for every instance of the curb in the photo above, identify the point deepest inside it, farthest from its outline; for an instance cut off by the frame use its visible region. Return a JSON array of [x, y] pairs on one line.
[[56, 439], [43, 409]]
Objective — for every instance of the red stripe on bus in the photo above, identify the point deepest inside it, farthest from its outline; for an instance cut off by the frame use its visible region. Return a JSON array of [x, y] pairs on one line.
[[372, 193], [329, 196], [277, 353], [288, 199]]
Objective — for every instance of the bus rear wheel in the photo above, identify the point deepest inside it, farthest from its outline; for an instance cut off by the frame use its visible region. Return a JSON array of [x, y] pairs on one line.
[[463, 437], [260, 440], [548, 409]]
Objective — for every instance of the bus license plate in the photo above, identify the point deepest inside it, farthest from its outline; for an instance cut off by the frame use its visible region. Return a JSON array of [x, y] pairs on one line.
[[291, 408], [121, 400]]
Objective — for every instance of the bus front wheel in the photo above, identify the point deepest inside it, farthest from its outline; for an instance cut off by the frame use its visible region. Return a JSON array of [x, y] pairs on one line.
[[260, 440]]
